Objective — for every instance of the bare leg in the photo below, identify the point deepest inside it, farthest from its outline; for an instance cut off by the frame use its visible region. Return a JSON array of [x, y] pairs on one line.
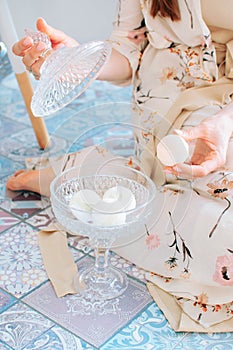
[[32, 180], [39, 181]]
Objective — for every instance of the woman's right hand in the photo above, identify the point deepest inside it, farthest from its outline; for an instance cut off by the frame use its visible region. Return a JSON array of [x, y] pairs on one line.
[[212, 137], [32, 55]]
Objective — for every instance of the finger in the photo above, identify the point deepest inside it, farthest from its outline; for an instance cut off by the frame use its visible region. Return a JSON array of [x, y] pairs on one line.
[[53, 34], [193, 171], [36, 76], [36, 67], [42, 26], [191, 133], [34, 54], [57, 37], [22, 46]]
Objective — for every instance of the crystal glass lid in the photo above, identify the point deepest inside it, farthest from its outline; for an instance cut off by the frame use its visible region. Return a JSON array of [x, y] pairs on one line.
[[66, 73]]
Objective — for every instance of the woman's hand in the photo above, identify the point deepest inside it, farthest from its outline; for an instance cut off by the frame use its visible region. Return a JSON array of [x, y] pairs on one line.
[[32, 55], [212, 137]]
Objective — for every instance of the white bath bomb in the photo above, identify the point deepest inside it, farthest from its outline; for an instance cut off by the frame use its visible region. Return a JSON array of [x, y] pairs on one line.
[[82, 203], [172, 149], [111, 210], [121, 194], [108, 213]]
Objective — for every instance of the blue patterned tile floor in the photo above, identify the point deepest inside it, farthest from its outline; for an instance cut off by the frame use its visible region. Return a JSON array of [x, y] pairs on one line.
[[31, 317]]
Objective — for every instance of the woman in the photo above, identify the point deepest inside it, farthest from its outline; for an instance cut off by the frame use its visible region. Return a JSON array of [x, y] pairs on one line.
[[177, 54]]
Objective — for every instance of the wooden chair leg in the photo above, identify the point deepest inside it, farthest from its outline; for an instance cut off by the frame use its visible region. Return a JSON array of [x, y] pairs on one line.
[[38, 123], [9, 37]]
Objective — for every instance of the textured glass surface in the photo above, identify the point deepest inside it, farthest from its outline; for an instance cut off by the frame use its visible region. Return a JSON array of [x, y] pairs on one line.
[[66, 73], [68, 183], [102, 281]]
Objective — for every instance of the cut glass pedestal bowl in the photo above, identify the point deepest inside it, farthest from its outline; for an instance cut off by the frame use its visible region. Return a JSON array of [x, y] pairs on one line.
[[104, 229]]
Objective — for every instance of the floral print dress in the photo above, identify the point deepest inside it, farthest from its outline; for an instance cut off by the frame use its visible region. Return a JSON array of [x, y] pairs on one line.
[[166, 57], [188, 249]]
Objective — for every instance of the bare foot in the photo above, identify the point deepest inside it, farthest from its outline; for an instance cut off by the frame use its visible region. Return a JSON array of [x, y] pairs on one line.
[[31, 180]]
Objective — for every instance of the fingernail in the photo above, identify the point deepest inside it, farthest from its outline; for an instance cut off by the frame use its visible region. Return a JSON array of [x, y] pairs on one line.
[[176, 168], [179, 132], [168, 171], [40, 46], [27, 41]]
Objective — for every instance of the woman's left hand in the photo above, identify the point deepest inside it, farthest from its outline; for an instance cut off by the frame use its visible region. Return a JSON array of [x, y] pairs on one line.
[[212, 137], [33, 55]]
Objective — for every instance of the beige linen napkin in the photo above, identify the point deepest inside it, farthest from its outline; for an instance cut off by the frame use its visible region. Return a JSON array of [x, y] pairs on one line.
[[58, 261]]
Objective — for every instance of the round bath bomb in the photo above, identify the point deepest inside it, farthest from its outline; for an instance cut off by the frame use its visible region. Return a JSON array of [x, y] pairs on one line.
[[82, 203], [172, 149], [121, 194], [108, 213], [111, 210]]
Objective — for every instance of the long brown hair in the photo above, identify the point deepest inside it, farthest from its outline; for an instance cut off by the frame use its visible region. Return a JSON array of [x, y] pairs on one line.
[[166, 8]]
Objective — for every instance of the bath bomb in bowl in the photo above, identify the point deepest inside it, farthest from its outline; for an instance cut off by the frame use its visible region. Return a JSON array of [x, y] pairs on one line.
[[112, 209], [82, 203], [121, 194]]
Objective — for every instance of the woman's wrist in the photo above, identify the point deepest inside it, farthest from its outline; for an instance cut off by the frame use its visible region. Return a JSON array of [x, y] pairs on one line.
[[225, 118]]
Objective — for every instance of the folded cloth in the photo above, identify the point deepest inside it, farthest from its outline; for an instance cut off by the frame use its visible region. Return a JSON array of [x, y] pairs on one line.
[[63, 274], [178, 319], [58, 261]]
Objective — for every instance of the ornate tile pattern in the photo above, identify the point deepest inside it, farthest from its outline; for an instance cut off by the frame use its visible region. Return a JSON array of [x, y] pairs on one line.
[[20, 325], [26, 204], [95, 321], [7, 166], [59, 339], [42, 219], [6, 300], [20, 260], [24, 145], [31, 317], [6, 219]]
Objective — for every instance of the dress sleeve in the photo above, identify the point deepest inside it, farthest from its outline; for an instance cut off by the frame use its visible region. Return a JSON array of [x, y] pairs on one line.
[[128, 20]]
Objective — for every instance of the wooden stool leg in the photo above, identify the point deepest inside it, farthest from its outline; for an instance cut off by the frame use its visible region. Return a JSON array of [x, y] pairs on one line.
[[38, 123]]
